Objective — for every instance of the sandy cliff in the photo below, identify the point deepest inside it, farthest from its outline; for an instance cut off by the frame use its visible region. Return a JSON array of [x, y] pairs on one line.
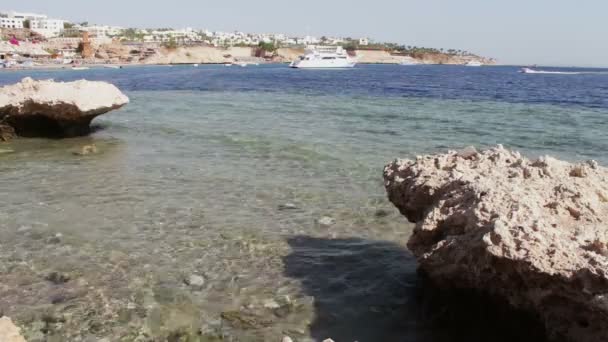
[[209, 54], [201, 54]]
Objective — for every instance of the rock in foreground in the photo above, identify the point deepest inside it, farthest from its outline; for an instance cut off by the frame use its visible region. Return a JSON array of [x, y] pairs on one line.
[[531, 232], [56, 109], [9, 332]]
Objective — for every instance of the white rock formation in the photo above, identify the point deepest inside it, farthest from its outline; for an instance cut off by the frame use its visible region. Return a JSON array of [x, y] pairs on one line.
[[9, 332], [48, 108], [532, 232]]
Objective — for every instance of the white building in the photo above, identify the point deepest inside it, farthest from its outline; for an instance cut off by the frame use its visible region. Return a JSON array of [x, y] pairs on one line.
[[6, 22], [21, 15], [103, 31], [363, 41], [39, 23], [308, 40], [181, 36], [47, 27]]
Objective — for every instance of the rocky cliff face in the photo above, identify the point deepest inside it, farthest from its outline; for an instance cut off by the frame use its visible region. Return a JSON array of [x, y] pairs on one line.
[[201, 54], [532, 232], [55, 109]]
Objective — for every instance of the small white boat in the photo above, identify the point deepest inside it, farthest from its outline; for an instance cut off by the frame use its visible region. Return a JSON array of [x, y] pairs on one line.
[[80, 68], [195, 65], [242, 64], [528, 71], [532, 71], [227, 64], [324, 57], [474, 63], [112, 66]]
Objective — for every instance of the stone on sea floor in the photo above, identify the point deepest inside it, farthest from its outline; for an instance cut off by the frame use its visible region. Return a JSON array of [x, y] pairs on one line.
[[86, 150], [286, 339], [326, 221], [9, 332], [531, 232], [271, 304], [195, 281], [57, 278], [288, 206], [380, 213], [6, 132], [55, 109], [55, 239], [328, 340]]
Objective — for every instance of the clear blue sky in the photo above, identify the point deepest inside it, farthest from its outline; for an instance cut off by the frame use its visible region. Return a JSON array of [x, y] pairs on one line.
[[548, 32]]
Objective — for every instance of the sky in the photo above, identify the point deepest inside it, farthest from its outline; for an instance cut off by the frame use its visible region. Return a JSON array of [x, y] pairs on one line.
[[543, 32]]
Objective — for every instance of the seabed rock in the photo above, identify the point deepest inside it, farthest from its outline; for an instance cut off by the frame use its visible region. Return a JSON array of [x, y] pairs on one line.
[[195, 281], [532, 233], [9, 332], [326, 221], [55, 109], [86, 150]]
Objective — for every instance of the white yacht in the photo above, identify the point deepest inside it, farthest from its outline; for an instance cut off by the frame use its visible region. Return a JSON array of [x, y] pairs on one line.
[[474, 63], [324, 57]]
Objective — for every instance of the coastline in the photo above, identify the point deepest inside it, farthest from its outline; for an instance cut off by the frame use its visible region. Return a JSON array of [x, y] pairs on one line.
[[206, 55]]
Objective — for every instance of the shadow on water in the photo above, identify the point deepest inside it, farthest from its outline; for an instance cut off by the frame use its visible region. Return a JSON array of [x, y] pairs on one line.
[[369, 291]]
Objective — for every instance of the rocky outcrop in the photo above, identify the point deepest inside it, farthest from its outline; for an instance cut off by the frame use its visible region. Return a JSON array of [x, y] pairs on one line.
[[202, 55], [56, 109], [9, 332], [531, 232]]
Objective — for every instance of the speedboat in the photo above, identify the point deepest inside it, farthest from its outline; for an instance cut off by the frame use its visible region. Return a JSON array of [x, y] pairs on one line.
[[324, 57], [532, 71], [474, 63], [195, 65], [80, 68], [528, 71]]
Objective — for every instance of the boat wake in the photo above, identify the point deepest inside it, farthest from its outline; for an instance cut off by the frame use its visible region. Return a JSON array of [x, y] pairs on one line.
[[551, 72]]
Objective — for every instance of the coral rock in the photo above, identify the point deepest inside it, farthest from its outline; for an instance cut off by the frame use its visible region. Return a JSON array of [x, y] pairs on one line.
[[9, 332], [56, 109], [531, 232]]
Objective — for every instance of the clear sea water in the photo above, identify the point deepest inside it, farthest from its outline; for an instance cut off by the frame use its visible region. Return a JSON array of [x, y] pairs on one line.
[[193, 176]]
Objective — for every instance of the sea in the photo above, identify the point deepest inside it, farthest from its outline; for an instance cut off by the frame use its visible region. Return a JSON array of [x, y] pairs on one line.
[[247, 203]]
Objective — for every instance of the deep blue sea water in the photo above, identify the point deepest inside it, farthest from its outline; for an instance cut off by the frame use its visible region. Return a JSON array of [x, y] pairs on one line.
[[588, 89], [192, 178]]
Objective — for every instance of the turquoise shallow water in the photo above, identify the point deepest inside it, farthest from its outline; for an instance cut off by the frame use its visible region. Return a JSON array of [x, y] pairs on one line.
[[193, 182]]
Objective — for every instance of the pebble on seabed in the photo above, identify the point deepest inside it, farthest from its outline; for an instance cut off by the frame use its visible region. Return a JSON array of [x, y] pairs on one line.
[[288, 206], [328, 340], [326, 221], [195, 281], [86, 150], [286, 339]]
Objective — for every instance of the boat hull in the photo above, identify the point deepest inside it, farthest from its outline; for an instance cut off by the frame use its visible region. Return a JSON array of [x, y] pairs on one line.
[[321, 65]]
